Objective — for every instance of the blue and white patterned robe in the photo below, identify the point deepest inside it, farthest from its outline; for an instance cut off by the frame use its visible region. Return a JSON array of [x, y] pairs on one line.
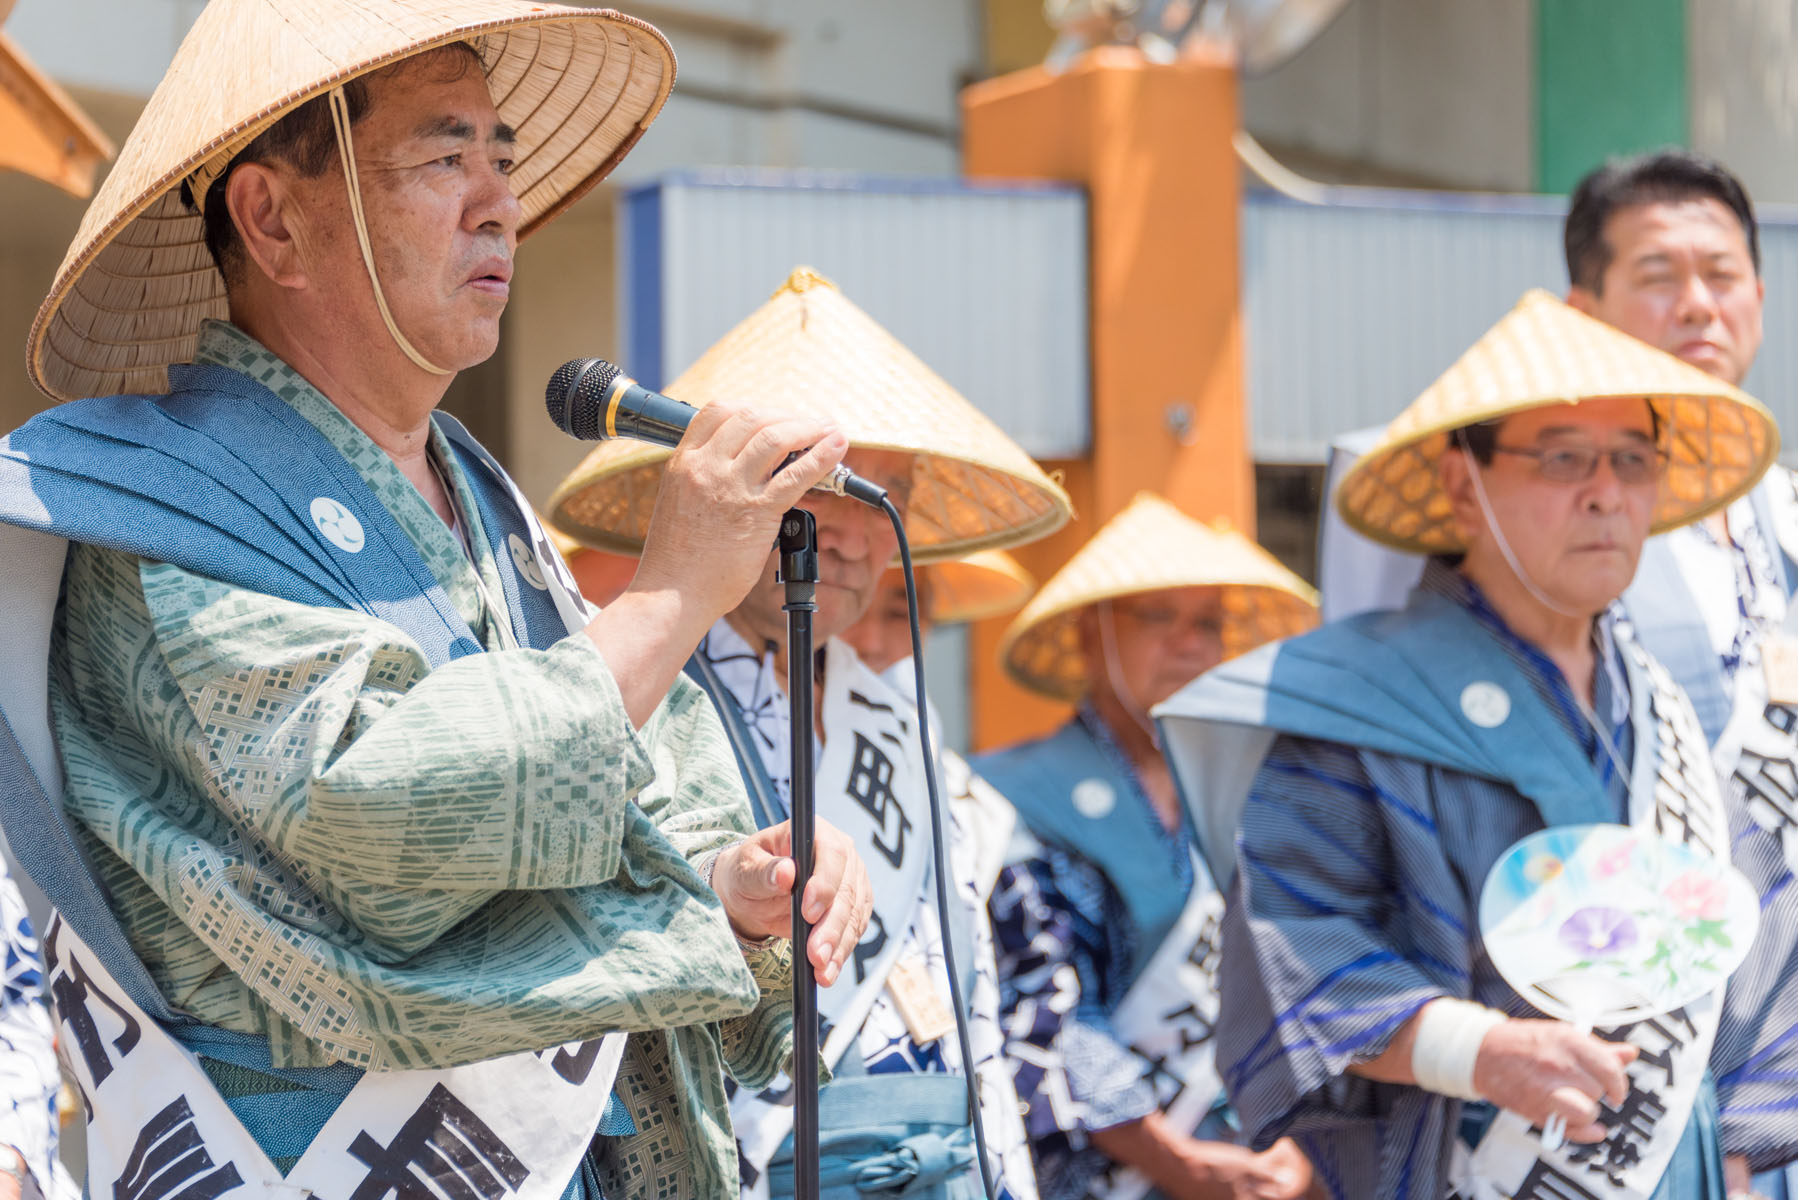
[[1354, 904], [29, 1076], [1069, 948]]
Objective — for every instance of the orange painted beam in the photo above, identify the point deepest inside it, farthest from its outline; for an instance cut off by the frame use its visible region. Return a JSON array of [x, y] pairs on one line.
[[42, 132], [1151, 143]]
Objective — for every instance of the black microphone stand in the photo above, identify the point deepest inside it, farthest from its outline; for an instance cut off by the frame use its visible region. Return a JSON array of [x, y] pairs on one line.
[[799, 572]]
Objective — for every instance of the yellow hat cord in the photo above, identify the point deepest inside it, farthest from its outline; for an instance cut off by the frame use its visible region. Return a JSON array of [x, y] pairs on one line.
[[340, 119]]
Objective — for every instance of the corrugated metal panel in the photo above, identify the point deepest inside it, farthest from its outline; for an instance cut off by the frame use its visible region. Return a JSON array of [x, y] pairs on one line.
[[1354, 307], [988, 285]]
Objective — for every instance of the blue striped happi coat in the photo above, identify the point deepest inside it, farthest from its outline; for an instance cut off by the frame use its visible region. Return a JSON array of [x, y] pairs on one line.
[[1361, 847]]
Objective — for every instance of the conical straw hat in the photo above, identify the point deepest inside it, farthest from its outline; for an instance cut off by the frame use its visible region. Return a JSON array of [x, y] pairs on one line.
[[1152, 546], [989, 583], [579, 85], [809, 350], [1719, 439]]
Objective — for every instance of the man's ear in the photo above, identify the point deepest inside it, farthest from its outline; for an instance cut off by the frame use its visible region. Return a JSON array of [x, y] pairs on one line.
[[1454, 473], [1582, 299], [260, 204]]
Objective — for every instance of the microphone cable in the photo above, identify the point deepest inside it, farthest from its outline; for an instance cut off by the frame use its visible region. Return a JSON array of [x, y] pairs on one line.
[[939, 856]]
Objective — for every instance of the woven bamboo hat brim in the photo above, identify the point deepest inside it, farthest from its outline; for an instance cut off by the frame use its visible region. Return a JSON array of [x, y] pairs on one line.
[[809, 350], [986, 584], [579, 85], [1152, 546], [1719, 439]]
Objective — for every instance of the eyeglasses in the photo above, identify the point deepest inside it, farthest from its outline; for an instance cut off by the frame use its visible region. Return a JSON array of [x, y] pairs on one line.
[[1576, 464]]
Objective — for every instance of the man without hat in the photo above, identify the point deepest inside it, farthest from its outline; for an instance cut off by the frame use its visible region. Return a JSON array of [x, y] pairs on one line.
[[1665, 246], [392, 839], [894, 1117], [1405, 754]]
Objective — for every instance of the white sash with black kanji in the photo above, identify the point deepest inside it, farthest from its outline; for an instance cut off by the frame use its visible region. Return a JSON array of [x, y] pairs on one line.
[[513, 1128], [1168, 1018], [1758, 749], [1674, 790], [870, 785]]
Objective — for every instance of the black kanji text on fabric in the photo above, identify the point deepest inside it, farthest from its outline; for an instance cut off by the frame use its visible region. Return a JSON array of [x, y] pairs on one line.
[[71, 986], [442, 1144], [869, 948], [576, 1064], [170, 1161], [1547, 1182], [861, 701], [1195, 1027], [871, 786]]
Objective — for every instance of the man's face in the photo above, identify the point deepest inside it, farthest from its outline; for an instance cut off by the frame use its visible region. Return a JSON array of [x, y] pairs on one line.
[[433, 159], [855, 544], [1577, 541], [883, 636], [1158, 642], [1681, 278]]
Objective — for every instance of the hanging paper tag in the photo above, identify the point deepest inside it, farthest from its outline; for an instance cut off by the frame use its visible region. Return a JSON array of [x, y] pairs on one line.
[[1779, 659], [914, 994]]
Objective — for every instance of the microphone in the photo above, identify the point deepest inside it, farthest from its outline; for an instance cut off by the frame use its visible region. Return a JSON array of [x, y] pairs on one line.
[[591, 399]]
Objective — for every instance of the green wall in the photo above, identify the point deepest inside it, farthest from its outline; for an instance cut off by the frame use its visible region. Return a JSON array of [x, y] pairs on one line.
[[1610, 79]]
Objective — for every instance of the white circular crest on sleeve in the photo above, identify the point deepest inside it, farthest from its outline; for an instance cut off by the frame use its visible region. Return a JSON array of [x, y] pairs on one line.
[[1485, 704], [338, 524], [526, 562], [1094, 798]]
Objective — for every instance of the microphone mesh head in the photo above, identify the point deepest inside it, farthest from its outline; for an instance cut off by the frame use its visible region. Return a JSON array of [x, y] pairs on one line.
[[576, 397]]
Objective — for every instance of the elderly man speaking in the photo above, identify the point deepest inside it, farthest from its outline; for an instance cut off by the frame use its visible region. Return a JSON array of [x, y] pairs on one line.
[[1401, 754], [399, 853]]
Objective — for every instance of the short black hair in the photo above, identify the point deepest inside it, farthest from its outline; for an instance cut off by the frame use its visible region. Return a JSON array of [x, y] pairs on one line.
[[306, 140], [1667, 176]]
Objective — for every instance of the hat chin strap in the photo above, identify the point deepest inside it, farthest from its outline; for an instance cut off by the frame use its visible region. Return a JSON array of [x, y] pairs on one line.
[[340, 120], [1504, 543], [1114, 673]]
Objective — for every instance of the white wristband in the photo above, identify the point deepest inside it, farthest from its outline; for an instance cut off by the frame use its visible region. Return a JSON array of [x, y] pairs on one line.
[[1449, 1033]]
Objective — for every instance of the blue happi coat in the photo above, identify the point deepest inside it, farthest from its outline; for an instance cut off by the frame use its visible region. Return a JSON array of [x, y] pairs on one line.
[[1376, 811], [1093, 887], [216, 478]]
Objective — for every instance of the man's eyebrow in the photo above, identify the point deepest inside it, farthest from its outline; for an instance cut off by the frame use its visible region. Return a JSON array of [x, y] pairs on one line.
[[1569, 430], [460, 130]]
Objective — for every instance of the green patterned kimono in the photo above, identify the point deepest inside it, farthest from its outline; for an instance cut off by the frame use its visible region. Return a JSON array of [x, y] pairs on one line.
[[311, 836]]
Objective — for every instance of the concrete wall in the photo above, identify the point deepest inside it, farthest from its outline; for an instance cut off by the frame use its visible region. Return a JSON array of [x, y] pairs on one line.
[[1744, 77], [1441, 93], [1427, 91], [40, 222]]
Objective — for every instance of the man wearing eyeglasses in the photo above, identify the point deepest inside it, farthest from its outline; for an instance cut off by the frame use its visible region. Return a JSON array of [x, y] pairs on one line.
[[1405, 757], [1664, 246]]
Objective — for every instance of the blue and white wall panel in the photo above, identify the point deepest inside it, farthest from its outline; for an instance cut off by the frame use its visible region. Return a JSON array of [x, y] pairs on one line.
[[986, 284], [1354, 306]]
